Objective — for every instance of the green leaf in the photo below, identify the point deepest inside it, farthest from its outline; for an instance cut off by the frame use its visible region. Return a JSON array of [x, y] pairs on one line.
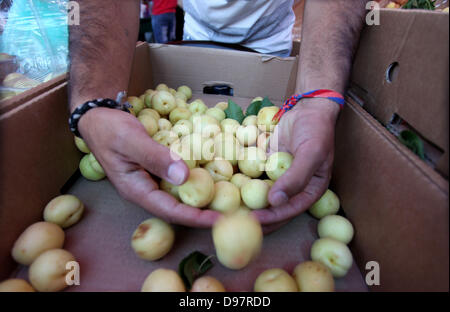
[[254, 108], [193, 266], [420, 4], [413, 142], [266, 102], [234, 111]]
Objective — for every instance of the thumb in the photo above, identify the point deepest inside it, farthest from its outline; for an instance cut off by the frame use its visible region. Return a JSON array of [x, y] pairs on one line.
[[307, 161], [157, 158]]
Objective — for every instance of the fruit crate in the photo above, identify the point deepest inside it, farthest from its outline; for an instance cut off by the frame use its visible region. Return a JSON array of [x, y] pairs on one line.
[[372, 174], [101, 242]]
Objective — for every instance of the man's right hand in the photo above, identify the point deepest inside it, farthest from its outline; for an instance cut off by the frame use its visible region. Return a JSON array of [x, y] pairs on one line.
[[127, 154]]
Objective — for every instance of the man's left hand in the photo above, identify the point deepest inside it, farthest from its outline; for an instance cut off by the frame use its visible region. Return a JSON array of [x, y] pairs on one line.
[[306, 132]]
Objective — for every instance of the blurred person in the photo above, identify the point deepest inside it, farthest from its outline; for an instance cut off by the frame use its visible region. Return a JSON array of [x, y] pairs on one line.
[[164, 20], [145, 9]]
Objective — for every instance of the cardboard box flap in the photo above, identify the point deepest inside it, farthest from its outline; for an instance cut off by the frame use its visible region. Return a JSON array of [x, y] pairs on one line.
[[249, 74], [397, 204], [140, 78], [402, 68], [38, 156]]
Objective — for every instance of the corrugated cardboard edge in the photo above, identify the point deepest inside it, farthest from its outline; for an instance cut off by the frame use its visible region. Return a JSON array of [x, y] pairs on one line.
[[400, 216], [417, 41], [141, 77]]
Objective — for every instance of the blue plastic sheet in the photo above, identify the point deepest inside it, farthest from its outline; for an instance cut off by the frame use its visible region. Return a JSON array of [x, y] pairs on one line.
[[36, 33]]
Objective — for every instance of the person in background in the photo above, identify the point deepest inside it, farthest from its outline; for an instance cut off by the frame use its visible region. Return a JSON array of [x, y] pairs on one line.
[[145, 9], [164, 20], [101, 58], [4, 8]]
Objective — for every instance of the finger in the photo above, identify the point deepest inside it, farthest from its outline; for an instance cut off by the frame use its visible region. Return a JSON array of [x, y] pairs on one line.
[[139, 188], [156, 158], [307, 160], [296, 205], [175, 212], [276, 144], [270, 228]]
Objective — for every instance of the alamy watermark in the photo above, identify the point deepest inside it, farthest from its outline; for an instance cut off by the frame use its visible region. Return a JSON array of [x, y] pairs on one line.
[[73, 274], [373, 276], [373, 17], [73, 13]]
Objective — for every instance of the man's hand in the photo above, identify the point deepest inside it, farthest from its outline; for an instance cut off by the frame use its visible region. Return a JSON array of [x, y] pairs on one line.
[[330, 34], [307, 132], [127, 154], [101, 54]]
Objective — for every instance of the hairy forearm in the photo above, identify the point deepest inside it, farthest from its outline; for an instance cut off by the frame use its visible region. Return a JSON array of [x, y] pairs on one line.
[[101, 49], [330, 35]]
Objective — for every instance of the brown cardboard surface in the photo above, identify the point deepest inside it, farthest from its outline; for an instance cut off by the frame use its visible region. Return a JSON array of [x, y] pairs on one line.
[[418, 41], [398, 205], [101, 245], [101, 242], [38, 156], [247, 73], [141, 79]]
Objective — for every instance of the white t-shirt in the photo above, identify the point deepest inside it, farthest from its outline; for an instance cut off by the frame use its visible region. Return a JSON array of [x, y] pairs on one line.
[[262, 25]]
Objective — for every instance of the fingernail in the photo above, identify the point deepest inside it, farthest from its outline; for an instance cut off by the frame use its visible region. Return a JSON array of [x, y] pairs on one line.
[[176, 173], [279, 198]]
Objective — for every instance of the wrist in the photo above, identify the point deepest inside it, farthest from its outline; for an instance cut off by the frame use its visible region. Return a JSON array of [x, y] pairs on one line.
[[89, 119], [81, 111], [322, 105], [74, 104], [76, 99]]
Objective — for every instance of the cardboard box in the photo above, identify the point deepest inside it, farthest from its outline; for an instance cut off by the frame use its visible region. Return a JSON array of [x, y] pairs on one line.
[[401, 69], [247, 73], [38, 157], [398, 204]]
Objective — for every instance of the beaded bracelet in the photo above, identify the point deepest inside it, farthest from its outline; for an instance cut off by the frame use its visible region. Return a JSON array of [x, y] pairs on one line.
[[84, 108]]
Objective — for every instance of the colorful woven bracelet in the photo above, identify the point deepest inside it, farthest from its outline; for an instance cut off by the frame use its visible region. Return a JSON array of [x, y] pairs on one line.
[[320, 93]]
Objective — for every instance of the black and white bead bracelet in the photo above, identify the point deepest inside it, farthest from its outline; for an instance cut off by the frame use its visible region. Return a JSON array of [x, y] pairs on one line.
[[108, 103]]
